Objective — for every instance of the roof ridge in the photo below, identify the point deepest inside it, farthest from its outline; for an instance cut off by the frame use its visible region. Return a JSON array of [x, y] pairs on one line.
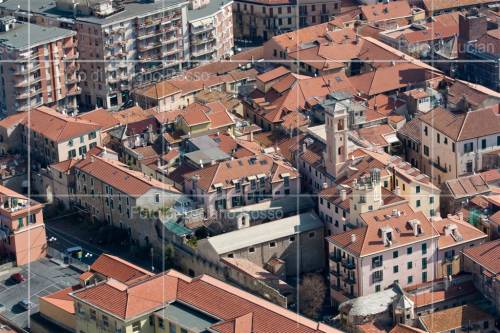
[[462, 126]]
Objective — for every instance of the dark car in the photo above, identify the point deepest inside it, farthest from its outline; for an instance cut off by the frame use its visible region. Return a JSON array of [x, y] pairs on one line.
[[18, 277]]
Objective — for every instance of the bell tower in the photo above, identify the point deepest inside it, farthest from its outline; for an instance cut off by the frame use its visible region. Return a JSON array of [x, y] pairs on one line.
[[336, 126]]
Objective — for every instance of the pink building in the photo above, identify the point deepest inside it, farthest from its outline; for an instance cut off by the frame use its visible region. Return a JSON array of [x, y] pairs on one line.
[[22, 231], [395, 244]]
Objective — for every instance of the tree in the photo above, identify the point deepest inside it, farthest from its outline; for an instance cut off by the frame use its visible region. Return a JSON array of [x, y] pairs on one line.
[[312, 291]]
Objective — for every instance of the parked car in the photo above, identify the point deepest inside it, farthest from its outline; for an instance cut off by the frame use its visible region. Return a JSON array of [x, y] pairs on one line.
[[26, 304], [18, 277]]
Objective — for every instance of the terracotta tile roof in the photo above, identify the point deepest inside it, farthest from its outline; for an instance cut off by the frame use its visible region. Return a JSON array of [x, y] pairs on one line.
[[133, 114], [491, 176], [386, 11], [487, 255], [368, 239], [490, 42], [167, 117], [465, 232], [412, 130], [236, 310], [495, 218], [62, 299], [64, 166], [467, 186], [195, 114], [225, 172], [434, 32], [391, 78], [464, 125], [218, 115], [400, 328], [13, 120], [475, 95], [102, 117], [376, 135], [119, 269], [119, 176], [453, 291], [56, 126], [273, 74], [453, 318]]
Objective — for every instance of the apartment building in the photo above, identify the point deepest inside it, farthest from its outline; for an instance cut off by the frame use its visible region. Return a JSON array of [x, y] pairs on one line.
[[38, 67], [210, 31], [259, 20], [125, 45], [394, 244], [52, 136], [22, 231], [455, 235], [240, 182], [112, 193], [453, 143], [287, 247], [481, 262]]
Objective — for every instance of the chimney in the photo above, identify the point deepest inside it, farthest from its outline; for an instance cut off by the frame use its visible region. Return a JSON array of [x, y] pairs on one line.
[[353, 238], [460, 216], [343, 194], [251, 135], [201, 164], [325, 186], [397, 191]]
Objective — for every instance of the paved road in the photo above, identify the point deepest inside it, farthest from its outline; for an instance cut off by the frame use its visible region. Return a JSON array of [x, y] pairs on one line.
[[65, 240]]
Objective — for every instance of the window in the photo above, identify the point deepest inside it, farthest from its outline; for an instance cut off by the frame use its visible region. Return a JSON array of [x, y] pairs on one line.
[[20, 222], [453, 146], [92, 314], [449, 270], [409, 265], [183, 330], [438, 138], [498, 140], [157, 198], [409, 250], [417, 189], [424, 248], [161, 324], [426, 150], [426, 130], [418, 203], [251, 250], [410, 279], [312, 234], [272, 244], [377, 276], [424, 263], [71, 153], [395, 254], [377, 261], [431, 200], [82, 150], [136, 326], [395, 269], [92, 135], [377, 288], [286, 181], [483, 144], [292, 239], [105, 322], [424, 276], [172, 328], [468, 147]]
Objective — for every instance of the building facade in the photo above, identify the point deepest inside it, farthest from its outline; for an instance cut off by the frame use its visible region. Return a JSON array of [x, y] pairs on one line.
[[39, 67], [259, 21], [22, 231]]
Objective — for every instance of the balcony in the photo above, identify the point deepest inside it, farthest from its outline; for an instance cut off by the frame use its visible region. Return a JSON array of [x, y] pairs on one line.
[[438, 166], [201, 29], [150, 46], [202, 52], [203, 40], [165, 53], [74, 92], [23, 70], [335, 257], [27, 82], [350, 280], [29, 94], [348, 264]]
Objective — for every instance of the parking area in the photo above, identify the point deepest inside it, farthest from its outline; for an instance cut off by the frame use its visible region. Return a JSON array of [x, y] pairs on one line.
[[42, 278]]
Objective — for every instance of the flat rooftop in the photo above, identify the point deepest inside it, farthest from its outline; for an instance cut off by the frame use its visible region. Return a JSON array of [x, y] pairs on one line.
[[213, 7], [131, 10], [193, 320], [27, 35]]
